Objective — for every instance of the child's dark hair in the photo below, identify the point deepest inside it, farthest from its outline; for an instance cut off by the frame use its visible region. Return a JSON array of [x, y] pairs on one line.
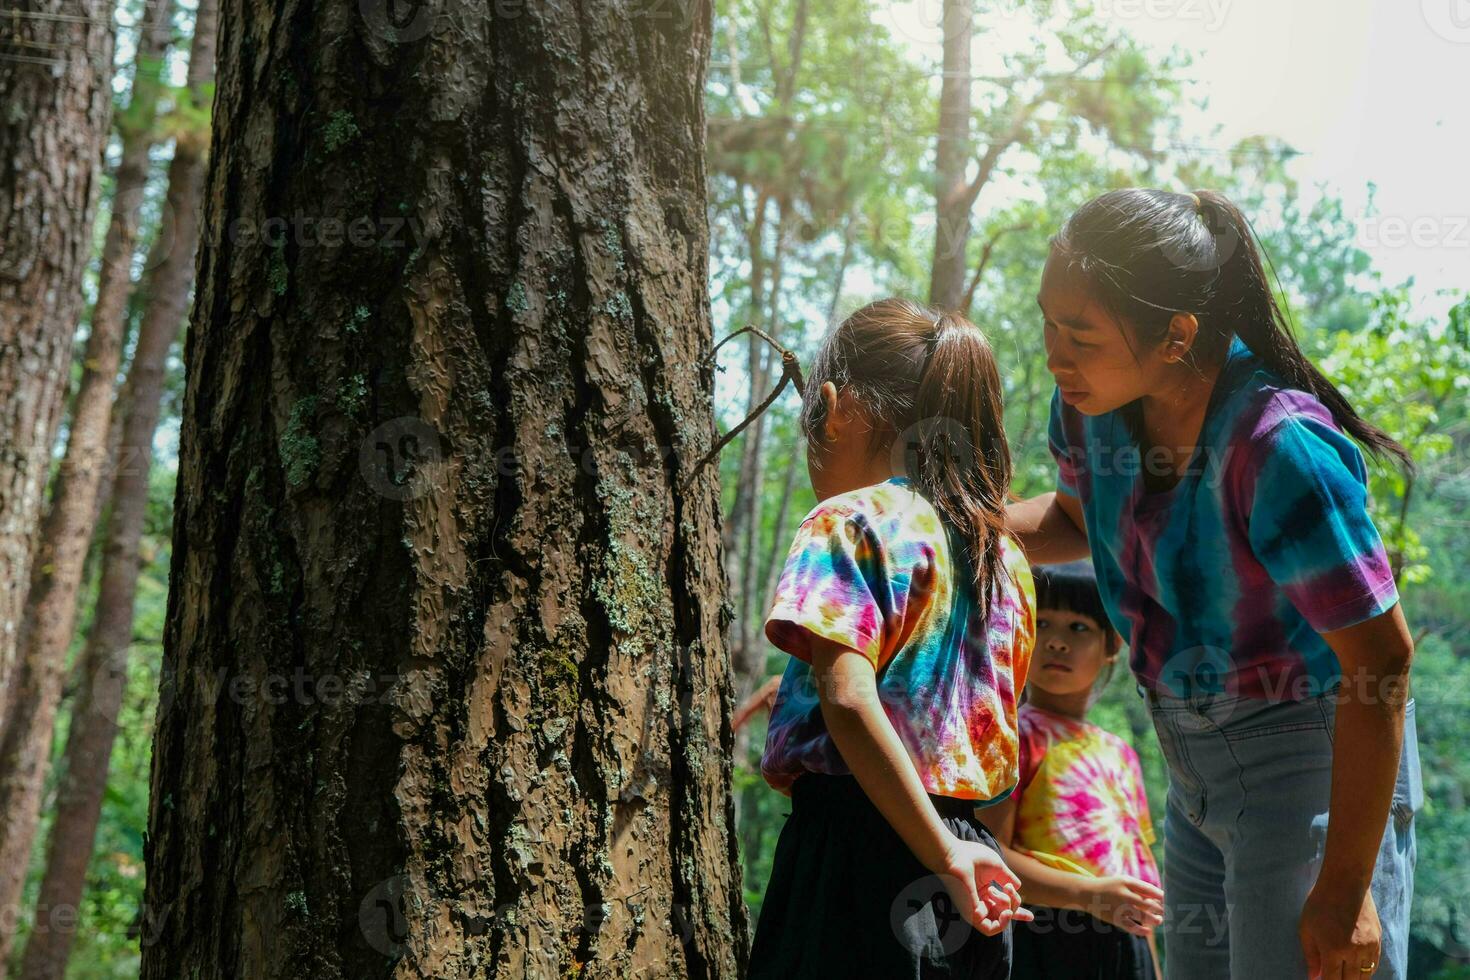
[[928, 379], [1150, 254], [1072, 587]]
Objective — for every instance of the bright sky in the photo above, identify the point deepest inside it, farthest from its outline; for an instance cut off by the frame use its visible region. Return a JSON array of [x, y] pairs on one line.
[[1369, 90]]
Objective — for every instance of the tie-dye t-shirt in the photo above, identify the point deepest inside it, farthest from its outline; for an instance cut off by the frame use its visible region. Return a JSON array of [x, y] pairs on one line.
[[1080, 805], [1225, 582], [875, 571]]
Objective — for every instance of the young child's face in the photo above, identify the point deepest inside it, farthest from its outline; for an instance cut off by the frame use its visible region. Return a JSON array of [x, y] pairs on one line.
[[1071, 650]]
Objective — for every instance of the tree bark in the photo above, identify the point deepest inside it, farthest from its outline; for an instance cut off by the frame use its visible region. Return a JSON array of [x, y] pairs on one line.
[[952, 158], [55, 86], [445, 693], [66, 530], [103, 665]]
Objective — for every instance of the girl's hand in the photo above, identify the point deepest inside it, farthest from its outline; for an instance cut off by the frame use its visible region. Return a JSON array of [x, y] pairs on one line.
[[1130, 904], [1339, 938], [984, 890]]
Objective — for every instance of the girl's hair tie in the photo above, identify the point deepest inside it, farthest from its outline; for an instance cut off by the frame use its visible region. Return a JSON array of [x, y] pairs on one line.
[[1197, 205]]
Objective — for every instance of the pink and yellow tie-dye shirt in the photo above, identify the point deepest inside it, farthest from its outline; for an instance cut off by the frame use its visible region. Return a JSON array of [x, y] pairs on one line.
[[875, 570], [1080, 803]]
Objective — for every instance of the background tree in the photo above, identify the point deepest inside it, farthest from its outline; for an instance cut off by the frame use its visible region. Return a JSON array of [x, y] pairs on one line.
[[34, 691], [55, 84], [103, 664]]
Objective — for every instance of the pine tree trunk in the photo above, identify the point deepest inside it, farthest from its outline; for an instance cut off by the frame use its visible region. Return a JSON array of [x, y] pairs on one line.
[[445, 693], [951, 160], [52, 130], [66, 530], [104, 661]]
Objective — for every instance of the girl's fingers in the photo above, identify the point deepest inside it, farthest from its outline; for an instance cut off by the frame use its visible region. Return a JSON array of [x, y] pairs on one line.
[[1005, 876], [978, 911]]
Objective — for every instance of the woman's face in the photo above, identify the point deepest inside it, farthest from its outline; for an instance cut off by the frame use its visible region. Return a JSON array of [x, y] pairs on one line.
[[1099, 366]]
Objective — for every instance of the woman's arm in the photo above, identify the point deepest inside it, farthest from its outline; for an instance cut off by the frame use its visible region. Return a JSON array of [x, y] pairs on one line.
[[1107, 898], [1050, 528], [1339, 927], [848, 691]]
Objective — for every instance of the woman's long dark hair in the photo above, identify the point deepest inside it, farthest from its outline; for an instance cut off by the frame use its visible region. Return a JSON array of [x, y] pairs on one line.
[[929, 380], [1149, 254]]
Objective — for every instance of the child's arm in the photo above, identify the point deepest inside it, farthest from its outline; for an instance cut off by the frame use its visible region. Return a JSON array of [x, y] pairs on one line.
[[1050, 528], [764, 699], [972, 873], [1110, 898]]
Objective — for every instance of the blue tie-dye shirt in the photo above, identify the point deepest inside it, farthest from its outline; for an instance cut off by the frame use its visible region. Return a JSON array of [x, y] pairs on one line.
[[1225, 582]]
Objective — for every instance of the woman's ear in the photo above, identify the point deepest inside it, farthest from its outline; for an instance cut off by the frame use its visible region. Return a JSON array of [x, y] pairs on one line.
[[1179, 340]]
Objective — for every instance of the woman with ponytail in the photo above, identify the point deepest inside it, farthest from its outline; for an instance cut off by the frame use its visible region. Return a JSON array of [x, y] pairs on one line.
[[1217, 480], [908, 614]]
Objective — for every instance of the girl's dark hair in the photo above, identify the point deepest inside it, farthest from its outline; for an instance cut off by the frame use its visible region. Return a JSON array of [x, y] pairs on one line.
[[1072, 587], [929, 382], [1149, 254]]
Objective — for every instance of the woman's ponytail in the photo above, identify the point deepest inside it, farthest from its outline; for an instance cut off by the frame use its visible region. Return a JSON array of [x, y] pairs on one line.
[[1243, 298]]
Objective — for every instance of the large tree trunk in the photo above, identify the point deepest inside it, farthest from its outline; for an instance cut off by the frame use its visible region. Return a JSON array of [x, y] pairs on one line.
[[951, 159], [104, 662], [445, 693], [66, 531], [52, 130]]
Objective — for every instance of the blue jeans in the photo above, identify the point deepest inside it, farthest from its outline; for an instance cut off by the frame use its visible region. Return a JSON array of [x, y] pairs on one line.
[[1244, 830]]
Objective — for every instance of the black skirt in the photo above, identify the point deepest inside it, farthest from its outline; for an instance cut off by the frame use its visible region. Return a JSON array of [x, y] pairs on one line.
[[847, 898], [1069, 944]]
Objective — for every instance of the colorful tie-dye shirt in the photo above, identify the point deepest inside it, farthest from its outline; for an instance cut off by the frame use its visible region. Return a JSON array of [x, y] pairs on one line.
[[1080, 805], [875, 570], [1225, 582]]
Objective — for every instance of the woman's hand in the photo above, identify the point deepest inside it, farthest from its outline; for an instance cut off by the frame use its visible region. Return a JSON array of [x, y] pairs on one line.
[[1130, 904], [1340, 937], [985, 891]]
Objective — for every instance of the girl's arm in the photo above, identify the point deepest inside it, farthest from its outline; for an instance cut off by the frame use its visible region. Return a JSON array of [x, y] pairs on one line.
[[848, 691], [1339, 925], [1107, 898], [1050, 528]]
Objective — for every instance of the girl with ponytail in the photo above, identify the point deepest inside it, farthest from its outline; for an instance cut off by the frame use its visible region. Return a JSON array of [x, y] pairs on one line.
[[908, 613], [1218, 481]]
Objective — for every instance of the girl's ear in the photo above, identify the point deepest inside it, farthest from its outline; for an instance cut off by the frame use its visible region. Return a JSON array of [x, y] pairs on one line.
[[828, 394], [1179, 340]]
